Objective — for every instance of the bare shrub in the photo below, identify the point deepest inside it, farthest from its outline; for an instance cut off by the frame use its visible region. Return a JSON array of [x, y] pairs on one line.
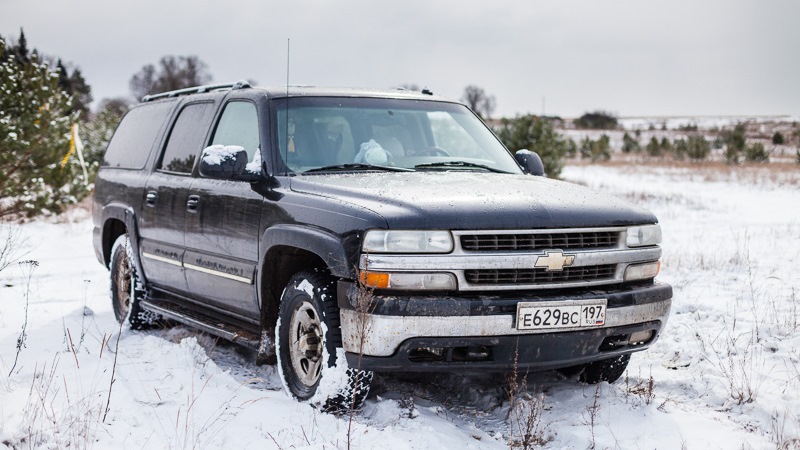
[[194, 432], [72, 426], [524, 413], [364, 304], [643, 389], [740, 361], [11, 243], [756, 152], [782, 439], [592, 411]]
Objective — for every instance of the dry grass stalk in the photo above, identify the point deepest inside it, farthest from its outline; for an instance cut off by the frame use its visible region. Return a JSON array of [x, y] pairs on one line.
[[11, 243], [365, 305], [524, 413], [28, 267]]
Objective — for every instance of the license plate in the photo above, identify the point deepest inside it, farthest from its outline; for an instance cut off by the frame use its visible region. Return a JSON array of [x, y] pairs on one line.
[[563, 314]]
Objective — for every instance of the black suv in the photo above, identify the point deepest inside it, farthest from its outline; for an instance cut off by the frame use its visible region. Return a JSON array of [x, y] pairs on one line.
[[341, 232]]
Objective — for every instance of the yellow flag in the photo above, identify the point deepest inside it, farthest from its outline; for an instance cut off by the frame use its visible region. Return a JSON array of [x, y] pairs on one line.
[[75, 145], [72, 137]]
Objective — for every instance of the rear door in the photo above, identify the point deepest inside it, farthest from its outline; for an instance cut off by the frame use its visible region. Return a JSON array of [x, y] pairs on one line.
[[168, 200], [222, 232]]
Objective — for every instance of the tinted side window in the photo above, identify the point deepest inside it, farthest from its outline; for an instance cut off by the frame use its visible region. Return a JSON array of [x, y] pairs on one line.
[[186, 138], [238, 126], [134, 138]]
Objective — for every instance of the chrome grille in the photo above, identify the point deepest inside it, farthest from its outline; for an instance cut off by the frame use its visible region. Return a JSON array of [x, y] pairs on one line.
[[539, 241], [539, 276]]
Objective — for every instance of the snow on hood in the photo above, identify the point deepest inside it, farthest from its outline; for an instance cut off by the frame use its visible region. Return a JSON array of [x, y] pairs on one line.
[[463, 200]]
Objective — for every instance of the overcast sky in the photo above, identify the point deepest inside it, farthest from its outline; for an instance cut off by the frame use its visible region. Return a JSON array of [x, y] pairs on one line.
[[631, 57]]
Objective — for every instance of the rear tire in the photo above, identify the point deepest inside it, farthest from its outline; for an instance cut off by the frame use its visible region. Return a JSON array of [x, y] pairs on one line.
[[606, 369], [126, 288], [311, 361]]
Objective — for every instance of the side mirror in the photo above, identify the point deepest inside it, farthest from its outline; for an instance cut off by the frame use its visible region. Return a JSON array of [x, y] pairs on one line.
[[222, 162], [530, 161]]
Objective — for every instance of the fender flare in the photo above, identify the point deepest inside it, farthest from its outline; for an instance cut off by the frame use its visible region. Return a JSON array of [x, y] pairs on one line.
[[324, 244], [126, 215]]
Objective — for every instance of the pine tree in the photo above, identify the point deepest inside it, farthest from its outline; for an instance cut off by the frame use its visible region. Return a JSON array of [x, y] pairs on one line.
[[756, 152], [81, 94], [680, 148], [21, 50], [666, 146], [735, 142], [537, 135], [63, 77], [630, 145], [653, 147], [34, 136], [74, 85], [697, 148]]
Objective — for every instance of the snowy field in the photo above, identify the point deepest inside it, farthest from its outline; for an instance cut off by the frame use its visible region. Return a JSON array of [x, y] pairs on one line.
[[725, 374]]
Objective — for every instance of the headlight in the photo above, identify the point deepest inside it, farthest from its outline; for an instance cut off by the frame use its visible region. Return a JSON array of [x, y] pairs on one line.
[[407, 241], [644, 235]]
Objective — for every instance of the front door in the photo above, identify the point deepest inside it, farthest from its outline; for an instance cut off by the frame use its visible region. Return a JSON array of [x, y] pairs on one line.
[[222, 234]]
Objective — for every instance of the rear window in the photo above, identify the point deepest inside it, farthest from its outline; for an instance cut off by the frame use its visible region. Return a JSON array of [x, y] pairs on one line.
[[134, 138]]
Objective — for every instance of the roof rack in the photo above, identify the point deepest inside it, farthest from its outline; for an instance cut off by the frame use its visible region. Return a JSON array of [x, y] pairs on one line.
[[242, 84]]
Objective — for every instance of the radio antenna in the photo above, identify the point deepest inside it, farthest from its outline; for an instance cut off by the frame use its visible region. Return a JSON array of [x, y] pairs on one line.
[[288, 54]]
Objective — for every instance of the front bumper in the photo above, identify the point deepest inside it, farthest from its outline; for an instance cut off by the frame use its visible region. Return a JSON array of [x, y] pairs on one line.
[[435, 333]]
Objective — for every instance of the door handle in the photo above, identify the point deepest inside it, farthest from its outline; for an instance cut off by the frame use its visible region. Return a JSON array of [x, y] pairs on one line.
[[193, 203], [151, 198]]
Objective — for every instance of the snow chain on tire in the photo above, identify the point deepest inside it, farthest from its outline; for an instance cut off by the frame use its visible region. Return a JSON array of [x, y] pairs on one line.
[[308, 332]]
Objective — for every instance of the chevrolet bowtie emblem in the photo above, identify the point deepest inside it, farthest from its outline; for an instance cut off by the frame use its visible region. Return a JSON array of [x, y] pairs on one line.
[[554, 261]]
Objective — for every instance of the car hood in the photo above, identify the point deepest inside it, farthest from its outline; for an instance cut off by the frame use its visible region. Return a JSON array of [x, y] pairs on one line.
[[473, 200]]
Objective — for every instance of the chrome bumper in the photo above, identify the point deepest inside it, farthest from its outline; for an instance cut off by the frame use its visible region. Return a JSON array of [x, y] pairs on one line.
[[382, 334]]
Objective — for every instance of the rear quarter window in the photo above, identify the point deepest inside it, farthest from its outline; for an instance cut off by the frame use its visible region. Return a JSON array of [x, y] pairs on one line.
[[135, 136]]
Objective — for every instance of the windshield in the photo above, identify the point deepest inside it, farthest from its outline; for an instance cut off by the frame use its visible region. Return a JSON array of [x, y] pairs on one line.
[[320, 134]]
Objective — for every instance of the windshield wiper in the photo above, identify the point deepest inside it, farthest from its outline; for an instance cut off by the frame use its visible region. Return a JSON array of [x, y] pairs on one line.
[[358, 166], [447, 164]]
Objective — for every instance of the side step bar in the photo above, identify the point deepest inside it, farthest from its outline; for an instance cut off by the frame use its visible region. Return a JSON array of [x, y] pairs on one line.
[[203, 322]]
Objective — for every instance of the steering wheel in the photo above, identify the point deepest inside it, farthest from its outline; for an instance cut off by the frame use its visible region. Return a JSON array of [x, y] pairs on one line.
[[432, 151]]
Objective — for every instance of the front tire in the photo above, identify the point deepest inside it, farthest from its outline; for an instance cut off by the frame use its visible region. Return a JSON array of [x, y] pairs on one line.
[[126, 288], [311, 360]]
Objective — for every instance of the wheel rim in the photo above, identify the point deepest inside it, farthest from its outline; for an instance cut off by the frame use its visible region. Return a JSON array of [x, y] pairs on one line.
[[123, 284], [305, 346]]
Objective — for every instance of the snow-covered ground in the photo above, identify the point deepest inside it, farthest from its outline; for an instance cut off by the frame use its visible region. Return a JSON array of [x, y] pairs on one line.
[[725, 374]]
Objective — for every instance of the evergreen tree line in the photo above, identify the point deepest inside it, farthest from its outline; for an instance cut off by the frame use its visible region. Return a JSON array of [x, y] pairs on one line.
[[70, 80], [736, 147], [695, 147], [41, 98], [36, 115]]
